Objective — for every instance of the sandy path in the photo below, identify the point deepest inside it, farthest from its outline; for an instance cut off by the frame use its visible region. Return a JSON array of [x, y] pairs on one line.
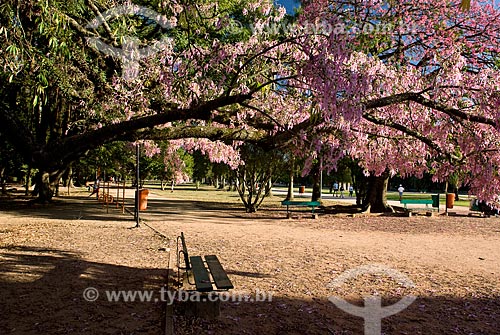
[[474, 253], [454, 262], [57, 252]]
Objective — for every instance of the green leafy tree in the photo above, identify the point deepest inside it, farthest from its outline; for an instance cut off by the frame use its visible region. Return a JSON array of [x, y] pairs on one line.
[[202, 168], [254, 178]]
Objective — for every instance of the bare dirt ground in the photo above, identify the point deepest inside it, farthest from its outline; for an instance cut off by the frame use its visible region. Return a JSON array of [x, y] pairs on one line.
[[50, 254]]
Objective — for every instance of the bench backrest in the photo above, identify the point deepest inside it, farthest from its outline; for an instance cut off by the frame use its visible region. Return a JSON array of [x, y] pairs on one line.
[[416, 201], [300, 203], [184, 251]]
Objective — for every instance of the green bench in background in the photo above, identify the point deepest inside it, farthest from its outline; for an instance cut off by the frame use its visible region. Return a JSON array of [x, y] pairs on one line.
[[288, 203], [434, 202]]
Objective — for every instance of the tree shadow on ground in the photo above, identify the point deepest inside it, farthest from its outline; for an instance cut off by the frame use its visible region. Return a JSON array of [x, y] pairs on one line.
[[42, 292], [161, 209], [282, 315], [67, 208]]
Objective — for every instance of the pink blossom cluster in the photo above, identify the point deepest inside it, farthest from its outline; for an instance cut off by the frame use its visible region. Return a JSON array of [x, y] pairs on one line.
[[397, 101]]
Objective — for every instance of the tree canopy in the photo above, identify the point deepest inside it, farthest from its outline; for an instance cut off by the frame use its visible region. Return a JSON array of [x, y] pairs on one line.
[[401, 86]]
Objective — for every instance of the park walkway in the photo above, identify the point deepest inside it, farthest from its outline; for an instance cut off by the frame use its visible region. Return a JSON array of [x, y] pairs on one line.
[[50, 254], [453, 261], [206, 221]]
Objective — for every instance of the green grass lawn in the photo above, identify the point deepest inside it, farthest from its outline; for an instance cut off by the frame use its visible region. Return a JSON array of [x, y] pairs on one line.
[[232, 199], [210, 194], [464, 199]]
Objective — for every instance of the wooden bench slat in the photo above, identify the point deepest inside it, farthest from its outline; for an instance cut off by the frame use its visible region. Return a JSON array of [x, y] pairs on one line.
[[200, 273], [220, 277]]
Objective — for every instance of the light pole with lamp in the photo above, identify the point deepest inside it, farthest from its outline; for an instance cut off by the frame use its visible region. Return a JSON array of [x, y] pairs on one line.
[[137, 176]]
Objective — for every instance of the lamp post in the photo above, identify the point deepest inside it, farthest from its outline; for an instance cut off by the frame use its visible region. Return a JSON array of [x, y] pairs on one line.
[[137, 176], [321, 178]]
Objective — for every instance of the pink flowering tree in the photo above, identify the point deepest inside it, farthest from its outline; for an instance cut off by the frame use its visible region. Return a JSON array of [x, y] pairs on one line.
[[403, 87], [420, 92]]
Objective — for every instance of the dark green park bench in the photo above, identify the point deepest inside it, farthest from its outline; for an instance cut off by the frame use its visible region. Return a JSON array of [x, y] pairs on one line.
[[434, 202], [206, 273], [288, 203]]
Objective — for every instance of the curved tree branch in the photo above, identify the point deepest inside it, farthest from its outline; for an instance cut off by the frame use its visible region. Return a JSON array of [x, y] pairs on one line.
[[71, 147], [211, 133], [410, 132], [420, 99]]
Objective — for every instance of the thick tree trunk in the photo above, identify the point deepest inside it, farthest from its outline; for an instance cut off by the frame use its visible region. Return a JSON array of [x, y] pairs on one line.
[[360, 187], [45, 184], [251, 208], [376, 195], [44, 189], [359, 183], [316, 191]]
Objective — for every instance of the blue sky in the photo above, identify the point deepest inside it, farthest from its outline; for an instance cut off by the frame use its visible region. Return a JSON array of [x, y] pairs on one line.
[[289, 4]]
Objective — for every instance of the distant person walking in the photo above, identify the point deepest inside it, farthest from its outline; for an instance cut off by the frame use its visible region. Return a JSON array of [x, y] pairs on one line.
[[351, 190], [95, 189], [401, 189], [335, 188]]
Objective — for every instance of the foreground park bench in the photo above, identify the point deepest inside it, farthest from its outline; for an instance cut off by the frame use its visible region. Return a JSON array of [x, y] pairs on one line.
[[201, 271], [288, 203], [434, 202]]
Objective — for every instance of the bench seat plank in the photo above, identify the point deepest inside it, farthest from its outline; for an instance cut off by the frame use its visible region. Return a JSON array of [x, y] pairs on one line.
[[200, 273], [220, 277]]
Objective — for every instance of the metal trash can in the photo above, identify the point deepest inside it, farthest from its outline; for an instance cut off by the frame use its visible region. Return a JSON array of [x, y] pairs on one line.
[[435, 201], [302, 189], [143, 199], [450, 200]]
